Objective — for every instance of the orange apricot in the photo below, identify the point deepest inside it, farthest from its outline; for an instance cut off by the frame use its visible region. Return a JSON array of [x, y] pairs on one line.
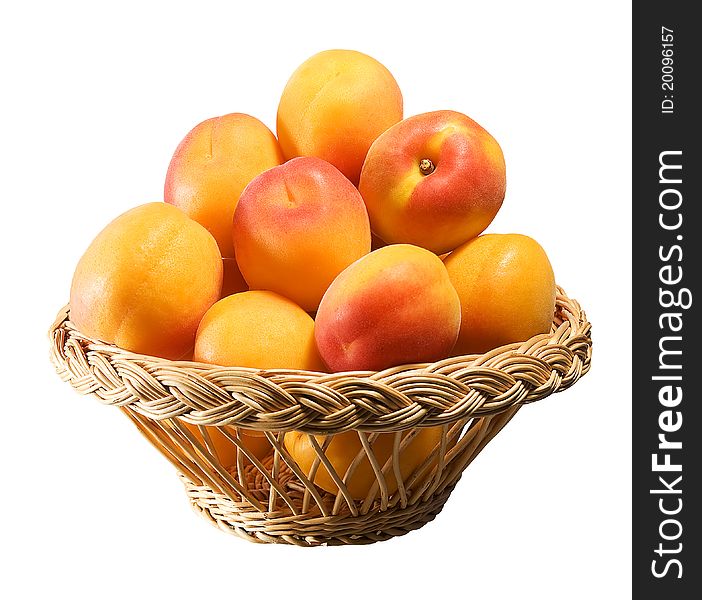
[[212, 166], [507, 291], [146, 280], [333, 107], [257, 329]]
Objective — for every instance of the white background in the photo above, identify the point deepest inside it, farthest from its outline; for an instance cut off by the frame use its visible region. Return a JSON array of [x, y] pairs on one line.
[[94, 102]]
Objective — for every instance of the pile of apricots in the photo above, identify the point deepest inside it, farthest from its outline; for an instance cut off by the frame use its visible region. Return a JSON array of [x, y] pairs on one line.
[[351, 241]]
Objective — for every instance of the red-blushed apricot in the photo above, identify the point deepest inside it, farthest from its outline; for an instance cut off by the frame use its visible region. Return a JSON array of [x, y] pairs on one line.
[[394, 306], [146, 280], [434, 180], [257, 329], [333, 107], [507, 291], [296, 227], [213, 165], [344, 447]]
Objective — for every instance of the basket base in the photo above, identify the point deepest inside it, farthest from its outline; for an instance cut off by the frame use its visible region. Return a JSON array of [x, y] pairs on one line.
[[286, 514], [303, 530]]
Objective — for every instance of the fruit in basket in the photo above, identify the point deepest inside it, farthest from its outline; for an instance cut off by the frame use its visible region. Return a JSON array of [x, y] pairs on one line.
[[394, 306], [296, 227], [255, 442], [333, 107], [507, 291], [146, 280], [344, 448], [289, 243], [257, 329], [434, 180], [213, 165]]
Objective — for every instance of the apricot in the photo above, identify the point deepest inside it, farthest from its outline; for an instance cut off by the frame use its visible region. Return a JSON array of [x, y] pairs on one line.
[[333, 107], [344, 447], [254, 329], [257, 329], [296, 227], [395, 305], [507, 291], [434, 180], [146, 280], [255, 442], [213, 165]]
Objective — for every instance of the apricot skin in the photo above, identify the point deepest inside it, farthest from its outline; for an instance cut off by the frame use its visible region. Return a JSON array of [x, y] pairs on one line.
[[392, 307], [145, 281], [296, 227], [333, 107], [507, 291], [212, 166]]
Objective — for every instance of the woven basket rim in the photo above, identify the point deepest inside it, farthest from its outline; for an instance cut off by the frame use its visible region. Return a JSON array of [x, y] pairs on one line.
[[426, 394]]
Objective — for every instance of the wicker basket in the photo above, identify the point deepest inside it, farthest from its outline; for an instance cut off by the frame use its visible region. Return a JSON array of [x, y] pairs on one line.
[[273, 500]]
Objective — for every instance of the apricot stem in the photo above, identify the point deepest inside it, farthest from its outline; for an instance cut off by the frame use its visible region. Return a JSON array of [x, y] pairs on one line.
[[426, 166]]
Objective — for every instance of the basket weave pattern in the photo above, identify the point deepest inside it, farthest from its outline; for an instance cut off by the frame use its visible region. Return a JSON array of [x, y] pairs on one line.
[[273, 500]]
